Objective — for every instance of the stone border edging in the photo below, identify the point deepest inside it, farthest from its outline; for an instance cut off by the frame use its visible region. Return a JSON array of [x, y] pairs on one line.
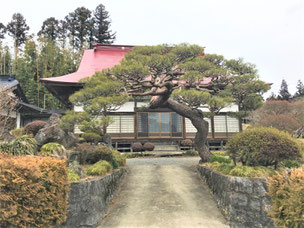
[[89, 200], [242, 200]]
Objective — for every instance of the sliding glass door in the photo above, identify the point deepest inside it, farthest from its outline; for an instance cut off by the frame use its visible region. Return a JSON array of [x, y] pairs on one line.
[[159, 124]]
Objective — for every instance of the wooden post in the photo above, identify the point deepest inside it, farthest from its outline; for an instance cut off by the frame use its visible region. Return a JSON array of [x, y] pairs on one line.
[[212, 127]]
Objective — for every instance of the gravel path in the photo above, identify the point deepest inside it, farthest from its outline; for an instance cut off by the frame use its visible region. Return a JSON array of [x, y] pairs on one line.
[[164, 192]]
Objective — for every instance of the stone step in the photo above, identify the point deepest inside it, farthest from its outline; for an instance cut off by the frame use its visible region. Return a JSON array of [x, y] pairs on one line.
[[165, 147]]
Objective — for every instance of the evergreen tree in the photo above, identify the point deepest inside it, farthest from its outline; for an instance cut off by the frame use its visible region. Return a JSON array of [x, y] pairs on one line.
[[50, 29], [62, 32], [17, 29], [2, 31], [284, 93], [102, 32], [79, 26], [272, 97], [300, 89], [5, 60]]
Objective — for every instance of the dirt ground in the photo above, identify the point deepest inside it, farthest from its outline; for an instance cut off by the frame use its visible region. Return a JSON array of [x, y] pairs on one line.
[[163, 192]]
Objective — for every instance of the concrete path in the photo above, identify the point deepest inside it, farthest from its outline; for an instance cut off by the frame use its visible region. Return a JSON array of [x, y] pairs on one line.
[[163, 192]]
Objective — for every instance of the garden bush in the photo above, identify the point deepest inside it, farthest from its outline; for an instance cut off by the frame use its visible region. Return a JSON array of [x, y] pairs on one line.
[[263, 147], [91, 137], [219, 152], [220, 159], [33, 191], [287, 198], [99, 168], [137, 147], [72, 175], [223, 168], [187, 142], [99, 153], [17, 132], [83, 150], [52, 148], [34, 127], [22, 145], [148, 146], [118, 159]]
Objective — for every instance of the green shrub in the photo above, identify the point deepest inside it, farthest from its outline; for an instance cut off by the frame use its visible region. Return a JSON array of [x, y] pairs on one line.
[[84, 149], [99, 168], [52, 148], [148, 146], [118, 159], [248, 171], [190, 153], [99, 153], [291, 164], [91, 137], [220, 159], [72, 175], [22, 145], [262, 147], [17, 132], [137, 147], [34, 191], [34, 127], [287, 198]]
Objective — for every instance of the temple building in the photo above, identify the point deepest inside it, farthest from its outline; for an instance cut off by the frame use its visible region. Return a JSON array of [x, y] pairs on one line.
[[133, 122]]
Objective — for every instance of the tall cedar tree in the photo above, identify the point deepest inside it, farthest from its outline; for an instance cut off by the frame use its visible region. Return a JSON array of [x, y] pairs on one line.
[[284, 94], [5, 60], [50, 29], [102, 32], [17, 29], [2, 31], [300, 89], [79, 26], [157, 70]]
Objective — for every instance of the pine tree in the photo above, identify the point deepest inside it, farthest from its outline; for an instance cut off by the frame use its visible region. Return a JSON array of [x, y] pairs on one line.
[[102, 32], [50, 29], [17, 29], [284, 93], [300, 89], [2, 31]]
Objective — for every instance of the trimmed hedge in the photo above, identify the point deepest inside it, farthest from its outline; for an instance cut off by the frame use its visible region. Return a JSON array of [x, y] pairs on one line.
[[187, 142], [33, 191], [34, 127], [287, 198], [263, 147], [99, 153]]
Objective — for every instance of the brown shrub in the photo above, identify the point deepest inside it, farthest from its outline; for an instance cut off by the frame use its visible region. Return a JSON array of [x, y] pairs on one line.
[[33, 191], [148, 146], [137, 147], [186, 142], [99, 153], [287, 198], [34, 127], [84, 149]]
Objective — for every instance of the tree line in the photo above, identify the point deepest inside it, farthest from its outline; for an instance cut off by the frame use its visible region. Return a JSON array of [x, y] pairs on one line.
[[285, 95], [55, 50]]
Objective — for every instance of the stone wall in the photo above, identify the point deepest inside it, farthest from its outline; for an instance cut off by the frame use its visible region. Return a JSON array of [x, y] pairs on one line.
[[242, 200], [89, 200]]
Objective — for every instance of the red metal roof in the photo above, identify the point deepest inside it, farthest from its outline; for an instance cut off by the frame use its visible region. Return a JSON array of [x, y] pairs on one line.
[[97, 59]]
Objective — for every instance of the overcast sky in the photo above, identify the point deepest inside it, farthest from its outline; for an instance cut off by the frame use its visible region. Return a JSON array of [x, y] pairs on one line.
[[268, 33]]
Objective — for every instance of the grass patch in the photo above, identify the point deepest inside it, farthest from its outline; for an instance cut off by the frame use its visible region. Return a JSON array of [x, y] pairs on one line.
[[72, 175], [219, 152], [190, 153], [220, 159]]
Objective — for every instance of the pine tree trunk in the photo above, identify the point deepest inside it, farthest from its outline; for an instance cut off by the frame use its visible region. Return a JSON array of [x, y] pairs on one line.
[[202, 126]]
